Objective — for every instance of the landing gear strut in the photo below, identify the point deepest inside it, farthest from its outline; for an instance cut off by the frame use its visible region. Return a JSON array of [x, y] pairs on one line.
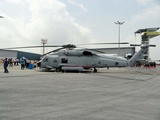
[[95, 70]]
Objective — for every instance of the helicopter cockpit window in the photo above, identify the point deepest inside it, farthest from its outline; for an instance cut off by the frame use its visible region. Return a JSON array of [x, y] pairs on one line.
[[87, 53], [64, 60], [45, 60]]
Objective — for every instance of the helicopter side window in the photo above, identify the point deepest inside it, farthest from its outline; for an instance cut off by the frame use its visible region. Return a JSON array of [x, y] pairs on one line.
[[64, 60]]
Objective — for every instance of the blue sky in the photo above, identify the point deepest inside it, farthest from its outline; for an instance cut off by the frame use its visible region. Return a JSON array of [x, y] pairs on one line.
[[76, 21]]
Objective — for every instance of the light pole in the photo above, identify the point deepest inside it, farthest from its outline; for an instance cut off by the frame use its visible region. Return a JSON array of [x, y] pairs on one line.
[[119, 23], [43, 41]]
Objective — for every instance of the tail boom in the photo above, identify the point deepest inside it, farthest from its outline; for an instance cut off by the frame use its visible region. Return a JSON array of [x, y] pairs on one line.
[[138, 55]]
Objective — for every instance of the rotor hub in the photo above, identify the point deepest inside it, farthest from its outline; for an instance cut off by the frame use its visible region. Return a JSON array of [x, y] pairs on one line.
[[70, 46]]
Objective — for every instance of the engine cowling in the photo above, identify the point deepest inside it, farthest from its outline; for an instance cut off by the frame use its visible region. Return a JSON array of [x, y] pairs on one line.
[[73, 53], [78, 53]]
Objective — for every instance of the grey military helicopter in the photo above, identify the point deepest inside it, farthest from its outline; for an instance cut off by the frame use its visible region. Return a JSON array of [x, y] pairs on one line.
[[71, 59], [67, 58]]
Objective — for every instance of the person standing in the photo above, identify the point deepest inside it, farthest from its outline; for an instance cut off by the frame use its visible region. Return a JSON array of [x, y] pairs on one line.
[[22, 64], [17, 61], [5, 64]]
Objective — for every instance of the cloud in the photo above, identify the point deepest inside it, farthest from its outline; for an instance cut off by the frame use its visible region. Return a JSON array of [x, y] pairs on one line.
[[148, 14], [148, 2], [48, 19], [144, 2], [77, 4], [14, 1], [54, 21]]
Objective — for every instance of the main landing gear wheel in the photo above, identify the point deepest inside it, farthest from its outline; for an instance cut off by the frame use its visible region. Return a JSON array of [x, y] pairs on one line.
[[48, 69], [95, 70], [58, 69]]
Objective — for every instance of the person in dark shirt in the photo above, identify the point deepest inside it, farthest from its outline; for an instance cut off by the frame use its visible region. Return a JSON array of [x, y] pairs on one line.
[[5, 66], [22, 64]]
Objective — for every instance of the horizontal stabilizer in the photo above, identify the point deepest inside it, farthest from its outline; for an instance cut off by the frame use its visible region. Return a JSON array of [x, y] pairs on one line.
[[142, 61], [142, 45]]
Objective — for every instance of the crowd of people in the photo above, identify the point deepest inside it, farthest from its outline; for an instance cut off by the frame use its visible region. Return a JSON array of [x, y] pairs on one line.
[[9, 62], [147, 65], [150, 64], [13, 61], [25, 63]]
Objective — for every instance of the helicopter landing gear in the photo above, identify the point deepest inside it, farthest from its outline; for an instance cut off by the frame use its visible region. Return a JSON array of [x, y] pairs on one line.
[[48, 69], [58, 69], [95, 70]]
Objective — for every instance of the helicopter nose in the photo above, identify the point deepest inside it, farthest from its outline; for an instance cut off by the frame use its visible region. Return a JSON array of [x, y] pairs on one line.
[[38, 64]]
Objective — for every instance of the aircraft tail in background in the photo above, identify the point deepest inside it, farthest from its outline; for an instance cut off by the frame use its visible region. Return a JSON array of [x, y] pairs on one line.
[[140, 54]]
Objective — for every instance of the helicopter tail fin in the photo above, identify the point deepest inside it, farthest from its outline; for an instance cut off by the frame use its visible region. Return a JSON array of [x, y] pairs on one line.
[[139, 54]]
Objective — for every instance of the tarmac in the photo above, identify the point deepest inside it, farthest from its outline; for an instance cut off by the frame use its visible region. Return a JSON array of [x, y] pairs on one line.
[[114, 94]]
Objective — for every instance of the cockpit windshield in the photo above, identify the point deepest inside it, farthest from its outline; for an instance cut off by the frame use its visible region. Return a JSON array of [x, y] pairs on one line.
[[45, 59]]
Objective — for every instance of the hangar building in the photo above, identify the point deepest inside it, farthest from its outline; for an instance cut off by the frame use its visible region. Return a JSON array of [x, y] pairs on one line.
[[14, 54], [32, 56], [124, 51]]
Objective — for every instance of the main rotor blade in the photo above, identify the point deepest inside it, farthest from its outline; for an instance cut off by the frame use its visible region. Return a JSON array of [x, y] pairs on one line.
[[135, 44], [64, 46], [95, 50], [103, 43], [32, 47], [92, 49], [52, 51]]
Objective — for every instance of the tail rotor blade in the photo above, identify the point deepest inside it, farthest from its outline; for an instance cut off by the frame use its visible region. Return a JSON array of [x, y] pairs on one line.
[[152, 45]]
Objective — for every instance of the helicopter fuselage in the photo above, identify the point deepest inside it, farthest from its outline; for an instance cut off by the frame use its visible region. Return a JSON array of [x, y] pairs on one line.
[[81, 60]]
